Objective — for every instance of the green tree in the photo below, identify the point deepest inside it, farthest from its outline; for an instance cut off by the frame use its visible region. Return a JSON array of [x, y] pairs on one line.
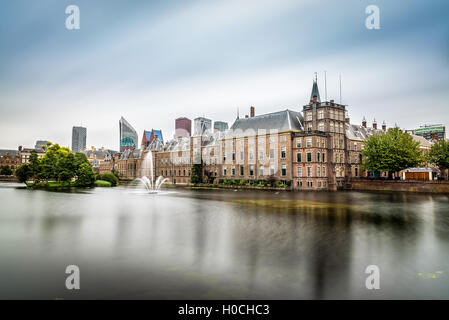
[[23, 173], [196, 173], [439, 155], [86, 175], [392, 151], [6, 171]]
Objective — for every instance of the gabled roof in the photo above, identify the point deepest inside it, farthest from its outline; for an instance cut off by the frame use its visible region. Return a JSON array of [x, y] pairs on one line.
[[281, 121]]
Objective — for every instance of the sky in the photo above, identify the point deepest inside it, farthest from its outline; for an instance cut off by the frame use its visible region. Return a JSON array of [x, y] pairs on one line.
[[154, 61]]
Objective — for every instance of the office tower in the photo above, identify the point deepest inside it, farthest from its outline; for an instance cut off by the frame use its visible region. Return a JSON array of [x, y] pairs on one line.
[[128, 136], [220, 126], [183, 127], [79, 135], [202, 126]]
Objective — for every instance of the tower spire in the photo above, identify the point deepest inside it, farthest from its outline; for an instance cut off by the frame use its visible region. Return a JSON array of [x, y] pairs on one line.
[[315, 95]]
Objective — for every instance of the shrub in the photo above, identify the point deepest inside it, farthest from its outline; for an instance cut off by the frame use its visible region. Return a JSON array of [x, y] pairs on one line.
[[110, 177], [6, 171], [102, 183]]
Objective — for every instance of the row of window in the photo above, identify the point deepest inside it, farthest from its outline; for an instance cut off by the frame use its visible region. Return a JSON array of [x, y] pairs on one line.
[[333, 114], [320, 157], [319, 172], [262, 172]]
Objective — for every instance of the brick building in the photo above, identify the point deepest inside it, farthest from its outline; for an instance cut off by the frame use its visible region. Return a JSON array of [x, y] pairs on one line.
[[316, 149]]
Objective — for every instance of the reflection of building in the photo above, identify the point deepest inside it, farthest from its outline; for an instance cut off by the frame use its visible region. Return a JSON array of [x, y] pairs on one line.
[[78, 139], [183, 127], [201, 126], [40, 143], [431, 132], [220, 126], [128, 136]]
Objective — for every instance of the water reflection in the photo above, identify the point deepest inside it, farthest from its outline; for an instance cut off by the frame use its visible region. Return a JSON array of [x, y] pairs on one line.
[[222, 244]]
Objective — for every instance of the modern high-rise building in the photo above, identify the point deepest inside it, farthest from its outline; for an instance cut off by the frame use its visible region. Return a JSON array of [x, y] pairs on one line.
[[431, 132], [128, 136], [201, 126], [220, 126], [149, 136], [183, 127], [79, 135]]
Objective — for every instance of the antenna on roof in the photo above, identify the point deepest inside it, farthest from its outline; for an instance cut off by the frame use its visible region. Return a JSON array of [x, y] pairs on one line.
[[340, 88], [325, 86]]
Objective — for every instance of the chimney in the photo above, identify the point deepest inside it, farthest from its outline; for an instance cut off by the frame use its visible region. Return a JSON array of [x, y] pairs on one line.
[[374, 124], [384, 126], [364, 122], [252, 111]]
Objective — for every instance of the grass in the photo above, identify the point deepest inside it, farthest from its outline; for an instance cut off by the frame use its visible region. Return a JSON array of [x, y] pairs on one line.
[[102, 183]]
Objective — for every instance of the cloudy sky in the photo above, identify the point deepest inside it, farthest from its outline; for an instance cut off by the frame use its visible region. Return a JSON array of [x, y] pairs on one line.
[[153, 61]]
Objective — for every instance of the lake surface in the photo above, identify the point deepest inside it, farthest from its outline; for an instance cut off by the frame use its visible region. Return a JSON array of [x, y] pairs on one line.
[[222, 244]]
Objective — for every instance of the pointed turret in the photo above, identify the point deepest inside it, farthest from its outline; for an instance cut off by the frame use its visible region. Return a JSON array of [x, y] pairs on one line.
[[315, 96]]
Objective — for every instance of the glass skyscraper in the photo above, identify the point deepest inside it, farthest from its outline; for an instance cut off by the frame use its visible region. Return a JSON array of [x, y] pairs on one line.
[[79, 135], [128, 136]]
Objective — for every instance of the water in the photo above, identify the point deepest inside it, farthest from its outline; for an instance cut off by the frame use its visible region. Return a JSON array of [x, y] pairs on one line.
[[222, 244]]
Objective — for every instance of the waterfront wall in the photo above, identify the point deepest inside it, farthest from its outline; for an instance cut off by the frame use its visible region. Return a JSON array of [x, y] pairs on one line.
[[401, 186]]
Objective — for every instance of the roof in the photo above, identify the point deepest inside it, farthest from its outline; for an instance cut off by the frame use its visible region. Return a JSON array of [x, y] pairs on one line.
[[281, 121], [315, 92], [359, 132], [12, 153], [423, 142], [428, 169]]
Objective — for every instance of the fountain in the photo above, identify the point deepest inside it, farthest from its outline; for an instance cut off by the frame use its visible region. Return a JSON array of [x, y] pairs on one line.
[[150, 184]]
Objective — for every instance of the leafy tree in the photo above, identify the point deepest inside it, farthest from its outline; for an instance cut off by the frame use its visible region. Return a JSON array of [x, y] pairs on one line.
[[6, 171], [86, 175], [439, 155], [23, 173], [392, 151], [34, 166], [110, 177], [196, 173]]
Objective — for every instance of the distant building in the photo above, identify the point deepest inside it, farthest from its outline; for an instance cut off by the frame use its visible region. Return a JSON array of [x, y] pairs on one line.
[[183, 127], [10, 158], [79, 135], [97, 156], [431, 132], [128, 136], [25, 153], [39, 144], [220, 126], [149, 136], [201, 126]]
